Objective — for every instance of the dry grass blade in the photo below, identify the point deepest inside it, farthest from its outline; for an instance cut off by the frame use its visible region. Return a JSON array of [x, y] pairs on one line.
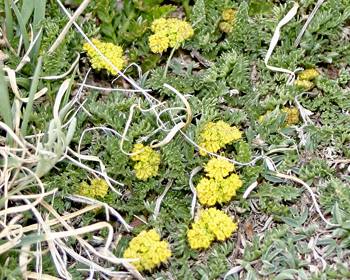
[[160, 198], [274, 42], [193, 189], [311, 16], [12, 78], [76, 14]]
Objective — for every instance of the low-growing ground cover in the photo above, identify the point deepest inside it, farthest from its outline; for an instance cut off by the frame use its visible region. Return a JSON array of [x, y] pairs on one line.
[[183, 139]]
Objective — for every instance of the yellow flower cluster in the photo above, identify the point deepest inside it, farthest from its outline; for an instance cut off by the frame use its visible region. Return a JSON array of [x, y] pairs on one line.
[[218, 188], [230, 17], [261, 118], [98, 187], [167, 33], [217, 135], [291, 119], [112, 52], [148, 162], [304, 84], [218, 168], [292, 115], [305, 78], [212, 224], [308, 74], [149, 249]]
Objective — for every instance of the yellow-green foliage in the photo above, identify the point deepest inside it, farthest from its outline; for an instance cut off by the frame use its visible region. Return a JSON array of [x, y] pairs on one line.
[[218, 188], [217, 135], [149, 249], [212, 224], [112, 52], [292, 115], [98, 187], [147, 162], [167, 33]]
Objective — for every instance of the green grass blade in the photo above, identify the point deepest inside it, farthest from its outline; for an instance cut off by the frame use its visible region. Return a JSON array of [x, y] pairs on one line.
[[39, 14], [27, 10], [21, 25], [5, 106], [8, 21], [33, 89], [67, 94]]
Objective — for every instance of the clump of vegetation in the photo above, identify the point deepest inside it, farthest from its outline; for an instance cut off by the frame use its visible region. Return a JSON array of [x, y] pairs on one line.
[[239, 80]]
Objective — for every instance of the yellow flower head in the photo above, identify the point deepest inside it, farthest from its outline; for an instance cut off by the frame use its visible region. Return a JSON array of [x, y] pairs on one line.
[[226, 27], [147, 162], [230, 16], [199, 238], [217, 135], [304, 84], [167, 33], [112, 52], [210, 192], [212, 224], [149, 249], [207, 191], [292, 115], [158, 42], [218, 168], [98, 187], [158, 25], [219, 223], [308, 74]]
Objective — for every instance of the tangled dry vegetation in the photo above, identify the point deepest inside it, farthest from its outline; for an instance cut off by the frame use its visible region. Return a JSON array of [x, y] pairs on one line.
[[209, 140]]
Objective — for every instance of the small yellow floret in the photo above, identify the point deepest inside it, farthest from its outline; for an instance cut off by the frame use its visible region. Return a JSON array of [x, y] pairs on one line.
[[226, 27], [305, 84], [218, 168], [219, 223], [230, 16], [210, 192], [158, 42], [199, 238], [149, 249], [147, 161], [212, 224], [168, 32], [158, 25], [112, 52], [217, 135], [98, 187], [207, 191], [292, 115], [308, 74]]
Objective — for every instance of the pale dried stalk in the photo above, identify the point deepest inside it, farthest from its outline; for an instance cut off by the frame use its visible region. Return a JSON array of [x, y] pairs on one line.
[[26, 58], [12, 78], [160, 198], [274, 42], [72, 20]]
